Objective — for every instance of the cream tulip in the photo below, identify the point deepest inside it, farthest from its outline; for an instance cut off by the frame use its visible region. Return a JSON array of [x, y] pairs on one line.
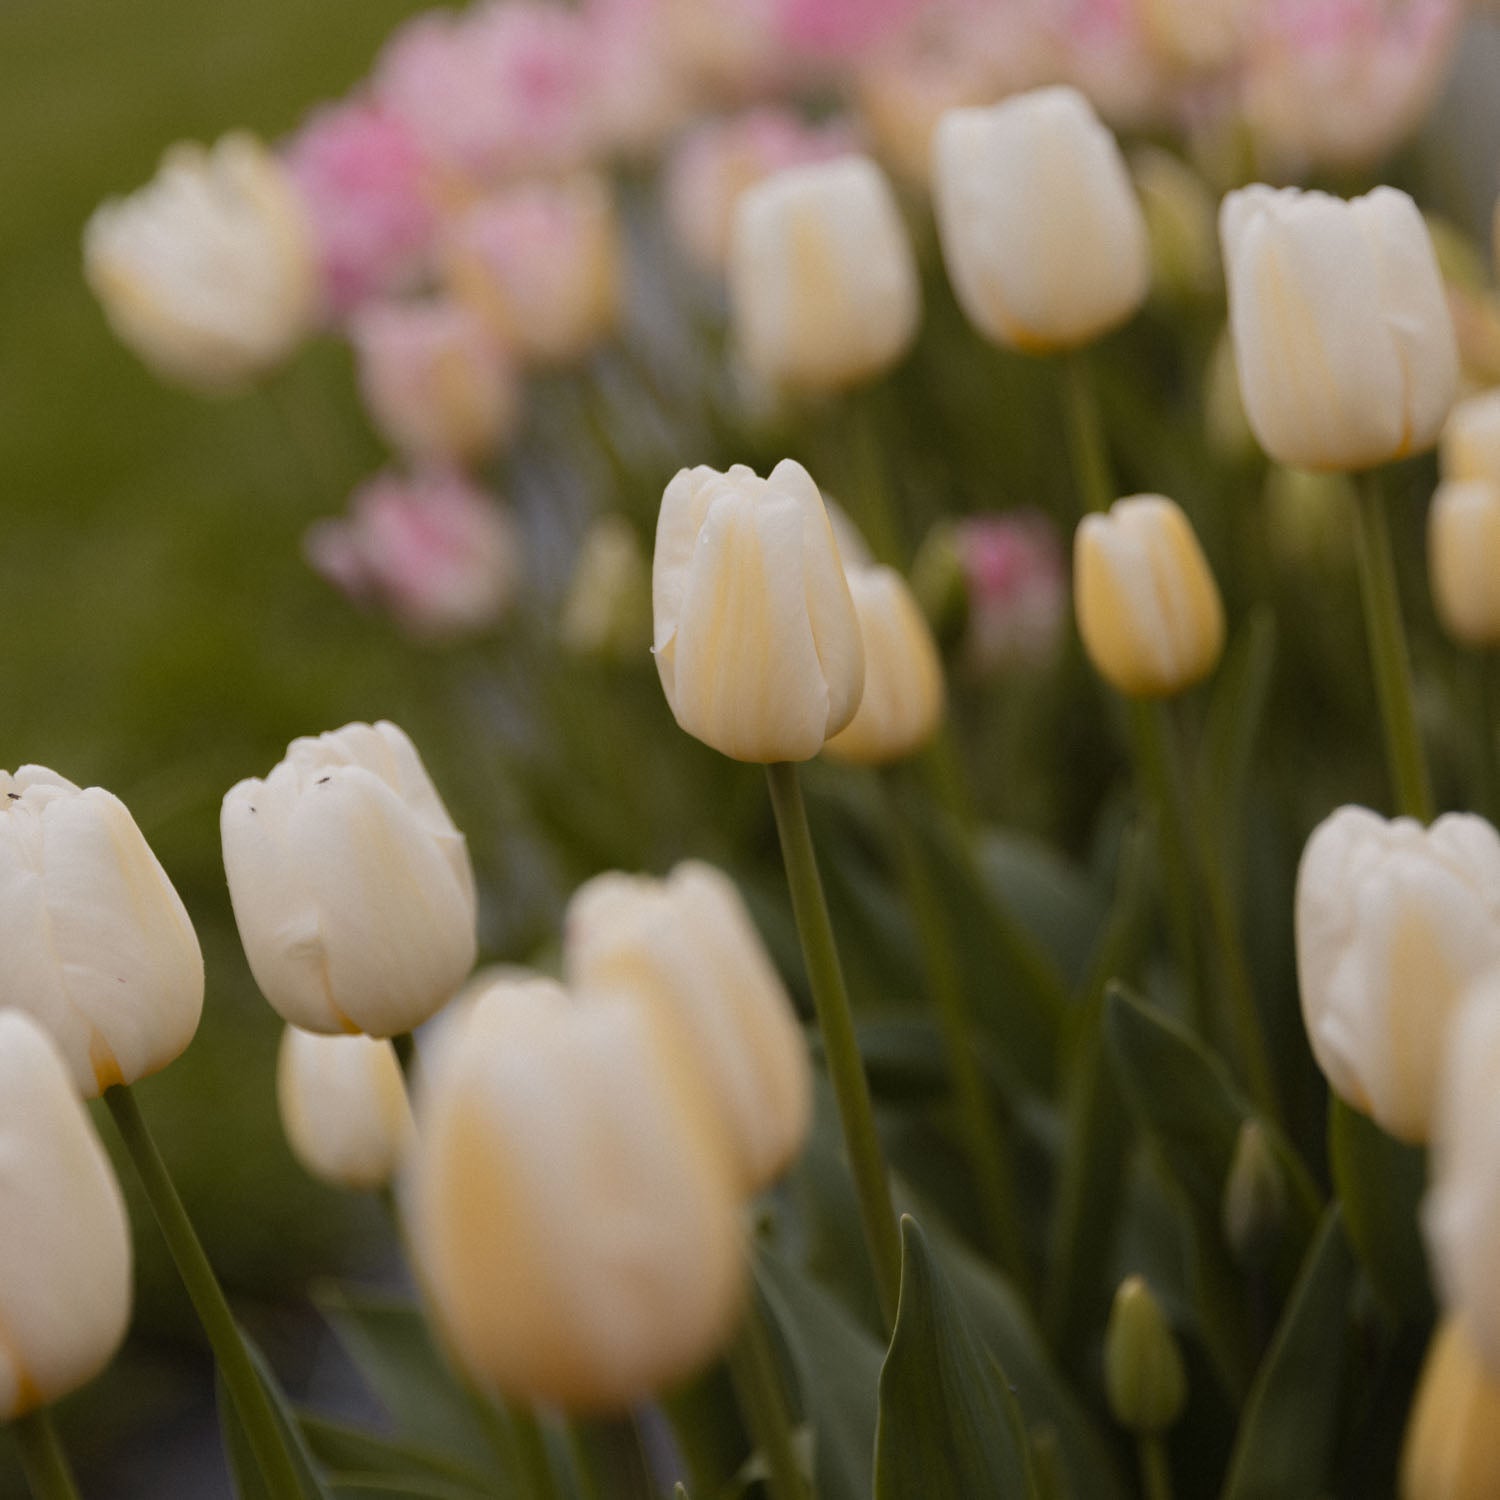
[[1043, 237], [1148, 608], [902, 704], [571, 1200], [1394, 921], [1452, 1446], [823, 289], [1471, 439], [351, 886], [756, 640], [343, 1106], [97, 945], [1342, 335], [1463, 559], [208, 272], [686, 945], [65, 1269]]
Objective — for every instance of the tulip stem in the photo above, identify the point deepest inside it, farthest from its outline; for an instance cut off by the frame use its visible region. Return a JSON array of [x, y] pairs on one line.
[[1481, 669], [762, 1397], [1389, 655], [531, 1451], [846, 1069], [43, 1459], [1090, 454], [1156, 1474], [241, 1378]]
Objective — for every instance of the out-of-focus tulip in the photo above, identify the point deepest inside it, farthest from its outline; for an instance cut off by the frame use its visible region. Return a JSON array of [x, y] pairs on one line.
[[607, 610], [902, 704], [64, 1237], [369, 200], [1394, 921], [437, 386], [1463, 558], [1472, 302], [1016, 589], [441, 555], [1198, 35], [1342, 335], [1042, 235], [756, 639], [1224, 420], [541, 263], [840, 30], [571, 1200], [1452, 1447], [1181, 222], [351, 886], [1148, 608], [727, 49], [687, 945], [1254, 1209], [1143, 1371], [98, 946], [1471, 439], [823, 289], [208, 272], [343, 1107], [640, 96]]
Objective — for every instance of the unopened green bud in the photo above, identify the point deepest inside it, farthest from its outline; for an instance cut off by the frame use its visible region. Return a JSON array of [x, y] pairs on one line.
[[1254, 1198], [1143, 1374], [937, 579]]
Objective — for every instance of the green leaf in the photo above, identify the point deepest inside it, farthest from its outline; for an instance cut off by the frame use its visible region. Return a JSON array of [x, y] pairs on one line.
[[342, 1449], [375, 1486], [949, 1426], [1286, 1439], [249, 1483]]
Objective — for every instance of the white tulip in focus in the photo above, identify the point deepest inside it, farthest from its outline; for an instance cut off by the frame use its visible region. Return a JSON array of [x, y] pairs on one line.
[[687, 945], [1394, 922], [1043, 237], [1463, 558], [97, 944], [756, 640], [902, 704], [1342, 334], [1471, 439], [343, 1107], [823, 289], [208, 272], [351, 886], [64, 1238], [571, 1200]]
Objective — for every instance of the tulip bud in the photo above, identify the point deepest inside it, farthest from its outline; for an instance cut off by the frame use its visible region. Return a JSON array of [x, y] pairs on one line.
[[208, 271], [1143, 1374], [343, 1107], [1393, 922], [351, 886], [756, 638], [571, 1201], [98, 946], [1254, 1197], [607, 609], [1463, 557], [1042, 235], [1148, 607], [823, 288], [1452, 1447], [64, 1236], [1342, 334], [902, 703], [1471, 439]]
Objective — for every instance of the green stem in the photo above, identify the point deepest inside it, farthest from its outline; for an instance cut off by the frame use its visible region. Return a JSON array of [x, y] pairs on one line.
[[1086, 443], [1481, 673], [989, 1161], [609, 1460], [863, 439], [1389, 655], [1156, 1473], [840, 1046], [762, 1398], [43, 1460], [240, 1376], [531, 1451]]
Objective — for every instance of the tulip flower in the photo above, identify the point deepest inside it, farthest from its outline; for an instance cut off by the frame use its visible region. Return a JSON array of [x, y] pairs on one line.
[[823, 290], [98, 946], [686, 946], [756, 639], [64, 1237], [1044, 241], [343, 1107], [1148, 608], [571, 1199], [207, 272], [607, 609], [1143, 1371], [1463, 555], [1452, 1447], [1343, 340], [351, 887], [1393, 922], [1471, 439]]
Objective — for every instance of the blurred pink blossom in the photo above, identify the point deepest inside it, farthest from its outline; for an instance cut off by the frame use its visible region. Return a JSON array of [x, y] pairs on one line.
[[364, 182], [1012, 564], [439, 554], [1106, 50], [841, 29], [641, 91]]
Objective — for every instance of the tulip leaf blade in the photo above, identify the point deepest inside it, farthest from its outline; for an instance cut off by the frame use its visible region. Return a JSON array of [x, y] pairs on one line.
[[245, 1472], [344, 1450]]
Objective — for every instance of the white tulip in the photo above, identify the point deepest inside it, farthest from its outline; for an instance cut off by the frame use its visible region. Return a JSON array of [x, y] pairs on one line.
[[1042, 234], [351, 886], [1394, 921], [97, 944], [1471, 439], [207, 272], [1452, 1446], [65, 1266], [1342, 334], [756, 639], [1463, 559]]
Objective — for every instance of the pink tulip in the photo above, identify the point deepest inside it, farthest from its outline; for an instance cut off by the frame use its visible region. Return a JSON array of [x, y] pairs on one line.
[[841, 29], [1012, 564]]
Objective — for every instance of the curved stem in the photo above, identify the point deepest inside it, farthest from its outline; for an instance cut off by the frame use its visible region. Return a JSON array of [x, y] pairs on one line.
[[240, 1376], [1086, 443], [846, 1069], [758, 1387], [43, 1459]]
